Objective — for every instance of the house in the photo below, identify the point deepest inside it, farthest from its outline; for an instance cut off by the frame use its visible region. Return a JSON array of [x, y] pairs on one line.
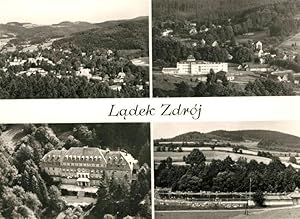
[[169, 71], [230, 77], [215, 44], [203, 42], [116, 87], [260, 53], [106, 77], [229, 57], [33, 71], [273, 200], [79, 170], [258, 45], [193, 24], [193, 31], [118, 80], [84, 72], [167, 32], [109, 52], [98, 78], [121, 75]]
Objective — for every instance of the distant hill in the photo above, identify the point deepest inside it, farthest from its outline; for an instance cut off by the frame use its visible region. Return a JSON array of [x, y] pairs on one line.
[[40, 33], [268, 140], [205, 8], [118, 35], [133, 32]]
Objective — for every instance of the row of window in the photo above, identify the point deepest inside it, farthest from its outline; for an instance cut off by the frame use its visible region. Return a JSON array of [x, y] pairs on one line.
[[81, 170], [84, 164]]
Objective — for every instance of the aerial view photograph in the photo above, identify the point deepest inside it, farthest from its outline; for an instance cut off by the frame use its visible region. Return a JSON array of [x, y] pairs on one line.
[[78, 49], [237, 170], [75, 171], [204, 48]]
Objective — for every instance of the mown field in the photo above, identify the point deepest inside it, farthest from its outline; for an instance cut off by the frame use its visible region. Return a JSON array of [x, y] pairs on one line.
[[286, 45], [255, 36], [210, 155]]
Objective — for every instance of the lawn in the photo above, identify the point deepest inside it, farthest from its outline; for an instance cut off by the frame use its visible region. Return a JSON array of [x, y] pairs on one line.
[[167, 82]]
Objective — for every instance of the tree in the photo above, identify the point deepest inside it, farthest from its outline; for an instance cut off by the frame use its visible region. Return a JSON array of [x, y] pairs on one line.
[[144, 155], [83, 134], [196, 157], [183, 90], [293, 160], [55, 203], [258, 198]]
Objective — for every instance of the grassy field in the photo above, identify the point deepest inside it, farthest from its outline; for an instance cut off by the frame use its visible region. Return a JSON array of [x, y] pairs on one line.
[[286, 45], [167, 82], [259, 35], [210, 155], [280, 213]]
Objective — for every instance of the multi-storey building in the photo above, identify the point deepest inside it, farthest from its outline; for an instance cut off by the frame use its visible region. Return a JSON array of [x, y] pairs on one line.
[[81, 169], [193, 67]]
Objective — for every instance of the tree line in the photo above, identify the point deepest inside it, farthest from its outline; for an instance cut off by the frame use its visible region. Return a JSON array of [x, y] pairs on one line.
[[226, 175], [50, 86], [218, 85]]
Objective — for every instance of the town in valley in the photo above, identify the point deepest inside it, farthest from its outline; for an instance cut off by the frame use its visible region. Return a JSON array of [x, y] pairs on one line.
[[225, 48], [74, 59]]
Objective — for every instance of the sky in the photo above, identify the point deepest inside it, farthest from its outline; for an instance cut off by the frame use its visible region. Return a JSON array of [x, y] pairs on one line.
[[55, 11], [167, 130]]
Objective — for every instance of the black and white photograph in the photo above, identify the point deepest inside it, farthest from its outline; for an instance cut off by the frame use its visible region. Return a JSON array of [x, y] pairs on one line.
[[209, 48], [227, 170], [64, 171], [74, 49]]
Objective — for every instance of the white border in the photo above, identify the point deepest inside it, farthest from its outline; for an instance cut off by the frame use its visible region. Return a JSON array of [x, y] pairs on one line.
[[97, 110]]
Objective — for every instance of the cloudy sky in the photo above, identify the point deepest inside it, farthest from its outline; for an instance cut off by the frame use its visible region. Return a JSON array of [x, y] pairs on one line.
[[55, 11], [167, 130]]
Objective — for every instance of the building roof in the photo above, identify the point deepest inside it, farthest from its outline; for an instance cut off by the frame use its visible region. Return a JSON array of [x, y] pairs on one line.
[[85, 154], [54, 156], [116, 159], [191, 58], [120, 159]]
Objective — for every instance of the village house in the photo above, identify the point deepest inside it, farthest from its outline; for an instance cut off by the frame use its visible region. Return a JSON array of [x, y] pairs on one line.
[[84, 72], [79, 170], [167, 32], [215, 44], [115, 87], [193, 31], [258, 45]]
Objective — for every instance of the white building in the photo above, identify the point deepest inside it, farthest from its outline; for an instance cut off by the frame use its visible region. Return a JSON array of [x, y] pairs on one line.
[[193, 67], [258, 45], [81, 169], [167, 32]]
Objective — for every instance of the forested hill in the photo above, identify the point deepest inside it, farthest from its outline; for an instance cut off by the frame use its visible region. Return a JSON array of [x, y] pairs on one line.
[[206, 8], [115, 35], [258, 135], [267, 139]]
